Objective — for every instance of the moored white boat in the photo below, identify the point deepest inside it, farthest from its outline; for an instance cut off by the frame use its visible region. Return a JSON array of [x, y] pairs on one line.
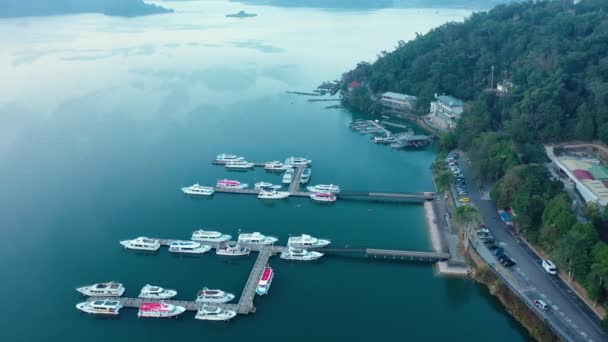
[[141, 243], [210, 236], [224, 157], [334, 189], [156, 292], [300, 254], [305, 177], [190, 247], [213, 296], [256, 238], [238, 165], [198, 190], [159, 310], [266, 186], [229, 249], [265, 281], [323, 197], [307, 241], [273, 194], [296, 161], [109, 289], [101, 306], [214, 313], [288, 176], [275, 166], [231, 184]]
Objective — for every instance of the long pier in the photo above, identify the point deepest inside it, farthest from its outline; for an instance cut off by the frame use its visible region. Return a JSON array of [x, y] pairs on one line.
[[294, 189], [245, 304]]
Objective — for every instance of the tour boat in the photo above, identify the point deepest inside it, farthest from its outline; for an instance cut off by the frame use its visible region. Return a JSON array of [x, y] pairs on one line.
[[198, 190], [141, 243], [109, 289], [214, 313], [256, 238], [385, 140], [229, 249], [266, 186], [275, 166], [231, 184], [307, 241], [305, 177], [273, 194], [334, 189], [300, 254], [297, 161], [238, 165], [323, 197], [227, 157], [156, 292], [103, 307], [191, 247], [287, 178], [210, 236], [159, 310], [265, 281], [213, 296]]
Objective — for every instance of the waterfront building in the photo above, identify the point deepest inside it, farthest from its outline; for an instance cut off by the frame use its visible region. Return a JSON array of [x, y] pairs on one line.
[[400, 103], [447, 109]]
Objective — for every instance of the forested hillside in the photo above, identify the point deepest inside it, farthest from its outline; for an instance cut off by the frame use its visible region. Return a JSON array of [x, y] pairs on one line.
[[555, 53]]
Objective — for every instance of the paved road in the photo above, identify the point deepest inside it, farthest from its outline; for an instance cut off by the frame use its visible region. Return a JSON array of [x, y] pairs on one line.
[[569, 313]]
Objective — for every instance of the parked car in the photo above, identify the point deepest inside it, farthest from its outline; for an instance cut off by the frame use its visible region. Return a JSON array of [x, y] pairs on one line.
[[483, 229], [549, 267], [498, 252], [493, 247], [489, 241], [464, 200], [541, 304]]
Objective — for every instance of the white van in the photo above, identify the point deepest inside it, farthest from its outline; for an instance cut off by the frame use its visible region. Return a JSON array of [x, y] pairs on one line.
[[549, 267], [541, 304]]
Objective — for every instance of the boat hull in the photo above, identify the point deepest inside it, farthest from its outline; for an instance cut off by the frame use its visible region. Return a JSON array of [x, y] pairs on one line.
[[87, 292], [126, 244], [223, 317], [170, 294], [153, 314], [225, 299], [84, 307], [201, 250], [196, 193]]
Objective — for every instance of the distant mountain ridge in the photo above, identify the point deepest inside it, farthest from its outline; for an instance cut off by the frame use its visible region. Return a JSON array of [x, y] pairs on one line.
[[126, 8], [377, 4]]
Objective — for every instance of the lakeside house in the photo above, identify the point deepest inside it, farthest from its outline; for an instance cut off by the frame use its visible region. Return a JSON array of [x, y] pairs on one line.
[[447, 109], [352, 85], [396, 102]]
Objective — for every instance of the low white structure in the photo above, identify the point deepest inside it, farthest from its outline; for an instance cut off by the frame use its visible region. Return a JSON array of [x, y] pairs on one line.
[[447, 108], [504, 87], [397, 102]]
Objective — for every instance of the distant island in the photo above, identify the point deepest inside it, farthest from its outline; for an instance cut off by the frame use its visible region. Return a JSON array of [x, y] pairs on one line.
[[241, 14], [124, 8]]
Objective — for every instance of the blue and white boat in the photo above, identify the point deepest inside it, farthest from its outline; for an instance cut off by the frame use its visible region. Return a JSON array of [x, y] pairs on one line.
[[305, 175]]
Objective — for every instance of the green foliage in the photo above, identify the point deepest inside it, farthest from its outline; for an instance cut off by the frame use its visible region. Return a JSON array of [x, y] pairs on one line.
[[574, 249], [492, 156], [359, 99], [467, 215], [526, 188], [443, 177]]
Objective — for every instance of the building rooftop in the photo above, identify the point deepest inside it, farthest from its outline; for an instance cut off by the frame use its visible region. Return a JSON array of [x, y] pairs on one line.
[[450, 101], [398, 96]]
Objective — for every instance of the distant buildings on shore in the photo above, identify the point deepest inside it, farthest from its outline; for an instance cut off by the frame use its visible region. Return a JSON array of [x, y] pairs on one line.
[[399, 103], [447, 109]]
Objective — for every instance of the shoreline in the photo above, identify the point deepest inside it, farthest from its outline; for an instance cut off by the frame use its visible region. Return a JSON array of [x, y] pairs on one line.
[[445, 268]]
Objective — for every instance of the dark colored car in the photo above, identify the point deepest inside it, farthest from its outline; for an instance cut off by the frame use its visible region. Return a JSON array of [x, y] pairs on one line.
[[498, 252], [493, 247]]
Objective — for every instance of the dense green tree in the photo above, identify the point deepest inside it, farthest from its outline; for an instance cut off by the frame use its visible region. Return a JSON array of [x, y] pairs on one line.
[[574, 249]]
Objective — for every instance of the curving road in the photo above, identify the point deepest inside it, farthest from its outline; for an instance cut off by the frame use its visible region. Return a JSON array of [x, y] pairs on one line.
[[567, 312]]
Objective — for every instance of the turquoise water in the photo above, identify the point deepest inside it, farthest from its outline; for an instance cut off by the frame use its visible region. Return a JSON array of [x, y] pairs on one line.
[[104, 119]]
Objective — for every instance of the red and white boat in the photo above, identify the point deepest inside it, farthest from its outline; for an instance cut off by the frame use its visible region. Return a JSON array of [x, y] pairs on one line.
[[159, 310], [265, 281], [323, 197], [231, 184]]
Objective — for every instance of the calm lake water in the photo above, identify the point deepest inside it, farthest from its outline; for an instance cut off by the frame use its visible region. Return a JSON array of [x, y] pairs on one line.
[[103, 119]]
